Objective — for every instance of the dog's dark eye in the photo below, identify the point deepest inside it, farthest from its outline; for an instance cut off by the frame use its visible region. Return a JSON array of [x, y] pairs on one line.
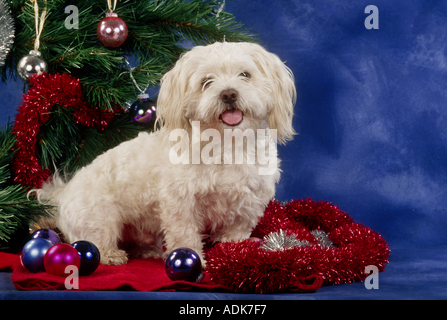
[[245, 75], [206, 82]]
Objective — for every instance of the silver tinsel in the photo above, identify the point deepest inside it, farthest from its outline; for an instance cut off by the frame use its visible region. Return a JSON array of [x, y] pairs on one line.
[[323, 239], [275, 241], [6, 31], [280, 240]]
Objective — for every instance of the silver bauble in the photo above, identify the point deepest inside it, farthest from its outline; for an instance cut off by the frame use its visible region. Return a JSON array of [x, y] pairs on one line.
[[31, 65]]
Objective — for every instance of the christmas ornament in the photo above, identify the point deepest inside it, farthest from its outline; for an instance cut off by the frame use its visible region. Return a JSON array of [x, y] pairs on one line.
[[143, 111], [46, 91], [33, 254], [7, 31], [305, 244], [89, 255], [184, 264], [112, 31], [31, 65], [58, 257], [47, 234]]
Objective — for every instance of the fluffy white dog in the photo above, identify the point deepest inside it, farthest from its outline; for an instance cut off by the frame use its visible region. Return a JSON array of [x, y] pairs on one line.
[[154, 192]]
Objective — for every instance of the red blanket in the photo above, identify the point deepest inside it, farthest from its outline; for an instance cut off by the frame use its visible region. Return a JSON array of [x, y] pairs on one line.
[[138, 274], [7, 260]]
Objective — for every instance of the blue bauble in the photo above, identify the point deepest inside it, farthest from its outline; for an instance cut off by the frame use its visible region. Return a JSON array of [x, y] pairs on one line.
[[184, 264], [89, 255], [33, 254], [47, 234]]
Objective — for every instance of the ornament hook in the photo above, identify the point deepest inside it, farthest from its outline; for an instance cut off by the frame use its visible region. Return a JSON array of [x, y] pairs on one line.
[[143, 94]]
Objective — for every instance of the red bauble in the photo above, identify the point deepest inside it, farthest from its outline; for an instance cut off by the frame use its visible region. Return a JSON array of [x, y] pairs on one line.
[[59, 257], [112, 31]]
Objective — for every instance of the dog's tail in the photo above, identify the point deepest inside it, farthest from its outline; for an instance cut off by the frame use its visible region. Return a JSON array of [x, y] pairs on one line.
[[49, 194]]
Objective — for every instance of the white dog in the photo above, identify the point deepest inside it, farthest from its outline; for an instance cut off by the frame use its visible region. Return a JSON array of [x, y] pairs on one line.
[[150, 192]]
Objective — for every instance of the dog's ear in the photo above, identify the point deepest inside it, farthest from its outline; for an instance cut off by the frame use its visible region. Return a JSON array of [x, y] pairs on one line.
[[284, 91], [170, 102]]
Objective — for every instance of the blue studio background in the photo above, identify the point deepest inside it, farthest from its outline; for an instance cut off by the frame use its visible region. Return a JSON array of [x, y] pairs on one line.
[[372, 122]]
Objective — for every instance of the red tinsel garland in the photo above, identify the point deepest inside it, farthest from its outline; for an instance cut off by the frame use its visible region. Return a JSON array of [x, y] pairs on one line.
[[46, 91], [247, 267]]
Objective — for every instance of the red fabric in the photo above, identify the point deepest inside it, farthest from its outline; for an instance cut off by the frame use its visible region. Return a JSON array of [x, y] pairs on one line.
[[138, 274], [7, 260]]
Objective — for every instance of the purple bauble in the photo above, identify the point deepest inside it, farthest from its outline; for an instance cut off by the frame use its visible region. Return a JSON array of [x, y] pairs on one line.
[[90, 256], [47, 234], [58, 257], [184, 264], [33, 254], [143, 111]]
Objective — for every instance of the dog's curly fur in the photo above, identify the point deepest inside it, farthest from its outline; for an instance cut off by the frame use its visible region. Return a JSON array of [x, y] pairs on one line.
[[132, 200]]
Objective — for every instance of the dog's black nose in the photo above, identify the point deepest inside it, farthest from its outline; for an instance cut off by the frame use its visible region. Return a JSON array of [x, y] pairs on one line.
[[229, 96]]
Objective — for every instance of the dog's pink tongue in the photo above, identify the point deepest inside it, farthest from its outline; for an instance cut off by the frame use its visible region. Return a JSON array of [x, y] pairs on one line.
[[232, 117]]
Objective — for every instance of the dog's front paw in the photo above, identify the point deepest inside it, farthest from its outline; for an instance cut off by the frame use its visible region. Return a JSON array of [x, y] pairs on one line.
[[233, 237], [113, 257], [152, 252]]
